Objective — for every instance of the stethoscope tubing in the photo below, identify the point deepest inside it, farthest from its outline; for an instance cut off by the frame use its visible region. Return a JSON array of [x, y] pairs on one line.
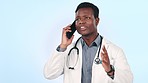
[[97, 60]]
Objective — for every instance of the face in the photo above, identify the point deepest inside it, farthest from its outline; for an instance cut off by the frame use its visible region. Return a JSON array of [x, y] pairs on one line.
[[86, 23]]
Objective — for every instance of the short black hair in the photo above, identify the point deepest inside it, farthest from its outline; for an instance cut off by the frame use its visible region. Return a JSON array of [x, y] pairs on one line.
[[89, 5]]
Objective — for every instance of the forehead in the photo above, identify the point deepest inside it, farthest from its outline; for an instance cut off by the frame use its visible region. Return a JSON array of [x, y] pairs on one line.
[[84, 11]]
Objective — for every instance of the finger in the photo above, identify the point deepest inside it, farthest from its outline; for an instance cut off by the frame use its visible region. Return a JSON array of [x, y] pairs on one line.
[[102, 55], [104, 49], [69, 25], [67, 28], [103, 52], [104, 58]]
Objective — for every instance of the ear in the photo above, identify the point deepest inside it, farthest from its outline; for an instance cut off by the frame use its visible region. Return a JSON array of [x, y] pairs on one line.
[[97, 21]]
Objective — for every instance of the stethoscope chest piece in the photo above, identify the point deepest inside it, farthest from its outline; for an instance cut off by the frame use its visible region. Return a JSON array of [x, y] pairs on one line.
[[98, 61]]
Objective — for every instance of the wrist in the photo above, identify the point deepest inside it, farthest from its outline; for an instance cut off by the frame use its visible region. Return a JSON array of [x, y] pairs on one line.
[[60, 49], [111, 69], [63, 46], [111, 72]]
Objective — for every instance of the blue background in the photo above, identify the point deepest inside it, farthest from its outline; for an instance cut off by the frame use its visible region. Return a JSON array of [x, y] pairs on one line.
[[31, 29]]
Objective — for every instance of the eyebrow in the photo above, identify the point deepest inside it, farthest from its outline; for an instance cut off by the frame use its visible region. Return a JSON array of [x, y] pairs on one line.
[[83, 16]]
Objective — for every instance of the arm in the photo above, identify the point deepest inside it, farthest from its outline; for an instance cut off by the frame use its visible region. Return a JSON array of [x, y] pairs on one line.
[[123, 73], [55, 65]]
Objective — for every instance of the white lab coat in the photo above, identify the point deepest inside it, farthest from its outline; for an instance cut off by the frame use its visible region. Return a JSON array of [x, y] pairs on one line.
[[57, 65]]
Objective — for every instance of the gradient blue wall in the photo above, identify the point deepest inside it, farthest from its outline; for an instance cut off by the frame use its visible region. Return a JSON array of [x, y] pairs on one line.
[[31, 29]]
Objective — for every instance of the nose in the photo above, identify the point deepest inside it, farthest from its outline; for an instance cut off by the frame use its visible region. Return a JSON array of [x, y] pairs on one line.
[[81, 21]]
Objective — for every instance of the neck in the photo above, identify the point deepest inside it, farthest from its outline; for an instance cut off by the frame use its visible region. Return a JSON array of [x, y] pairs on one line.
[[90, 38]]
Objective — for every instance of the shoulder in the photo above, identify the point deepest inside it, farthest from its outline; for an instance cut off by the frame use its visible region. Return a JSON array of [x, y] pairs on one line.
[[112, 48]]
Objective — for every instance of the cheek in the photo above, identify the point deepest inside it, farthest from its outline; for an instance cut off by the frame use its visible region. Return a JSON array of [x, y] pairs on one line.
[[76, 25], [92, 25]]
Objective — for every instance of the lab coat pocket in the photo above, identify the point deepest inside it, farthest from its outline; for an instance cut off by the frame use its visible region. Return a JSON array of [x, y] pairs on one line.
[[98, 74]]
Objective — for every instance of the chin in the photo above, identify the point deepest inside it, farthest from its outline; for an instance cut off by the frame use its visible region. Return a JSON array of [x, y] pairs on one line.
[[85, 35]]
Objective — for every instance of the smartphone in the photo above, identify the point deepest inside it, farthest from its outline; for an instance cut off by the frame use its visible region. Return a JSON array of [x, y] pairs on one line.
[[73, 29]]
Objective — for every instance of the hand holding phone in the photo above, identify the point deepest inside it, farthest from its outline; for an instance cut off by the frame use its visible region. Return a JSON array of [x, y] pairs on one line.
[[73, 29]]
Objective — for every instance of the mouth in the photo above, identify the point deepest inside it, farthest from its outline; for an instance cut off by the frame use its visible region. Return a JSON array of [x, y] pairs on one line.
[[82, 28]]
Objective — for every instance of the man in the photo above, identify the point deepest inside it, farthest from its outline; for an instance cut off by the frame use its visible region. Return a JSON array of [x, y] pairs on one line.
[[96, 60]]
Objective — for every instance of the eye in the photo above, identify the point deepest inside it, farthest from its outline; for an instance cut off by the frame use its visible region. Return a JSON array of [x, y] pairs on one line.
[[78, 19], [87, 18]]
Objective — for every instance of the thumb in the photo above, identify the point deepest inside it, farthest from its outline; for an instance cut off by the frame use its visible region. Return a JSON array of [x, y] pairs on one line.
[[70, 40], [72, 37]]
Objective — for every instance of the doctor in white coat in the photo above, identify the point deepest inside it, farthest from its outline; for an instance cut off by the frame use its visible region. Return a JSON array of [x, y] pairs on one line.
[[94, 59]]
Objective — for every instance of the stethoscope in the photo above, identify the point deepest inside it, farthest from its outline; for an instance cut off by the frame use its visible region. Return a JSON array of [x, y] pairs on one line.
[[97, 60]]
